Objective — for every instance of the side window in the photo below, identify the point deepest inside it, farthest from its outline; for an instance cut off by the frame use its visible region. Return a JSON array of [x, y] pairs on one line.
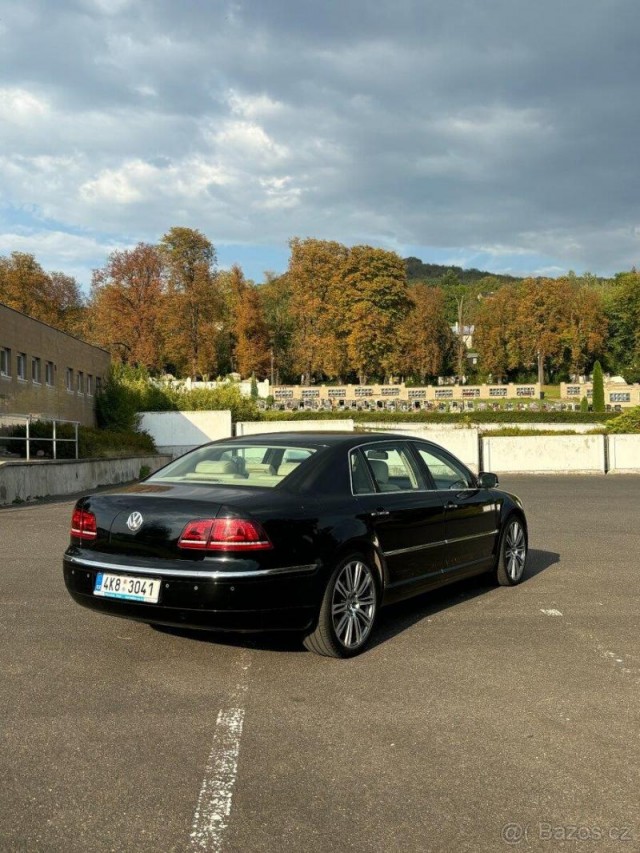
[[445, 472], [392, 467], [360, 475]]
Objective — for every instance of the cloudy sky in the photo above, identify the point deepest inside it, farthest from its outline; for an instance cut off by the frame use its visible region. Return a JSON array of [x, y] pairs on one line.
[[502, 134]]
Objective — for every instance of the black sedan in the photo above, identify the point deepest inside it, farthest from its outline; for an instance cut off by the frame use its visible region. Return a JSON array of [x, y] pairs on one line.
[[311, 532]]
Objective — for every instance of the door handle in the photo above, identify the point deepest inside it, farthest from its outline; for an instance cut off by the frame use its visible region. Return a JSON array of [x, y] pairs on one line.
[[450, 505], [379, 513]]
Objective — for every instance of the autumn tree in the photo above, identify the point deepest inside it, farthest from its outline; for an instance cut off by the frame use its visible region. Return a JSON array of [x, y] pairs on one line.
[[193, 308], [372, 301], [586, 330], [424, 336], [126, 307], [275, 296], [495, 334], [53, 298], [314, 279], [541, 322], [247, 326]]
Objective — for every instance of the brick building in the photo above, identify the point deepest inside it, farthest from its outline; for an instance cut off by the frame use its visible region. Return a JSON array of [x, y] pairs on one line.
[[47, 372]]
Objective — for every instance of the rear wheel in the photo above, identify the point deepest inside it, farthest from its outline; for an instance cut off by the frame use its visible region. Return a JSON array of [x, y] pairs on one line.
[[348, 610], [512, 556]]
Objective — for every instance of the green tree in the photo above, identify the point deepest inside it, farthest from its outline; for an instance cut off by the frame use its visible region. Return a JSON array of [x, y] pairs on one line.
[[598, 389], [623, 310]]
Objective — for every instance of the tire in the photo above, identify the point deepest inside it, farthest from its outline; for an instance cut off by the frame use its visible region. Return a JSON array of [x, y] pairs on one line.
[[348, 610], [512, 556]]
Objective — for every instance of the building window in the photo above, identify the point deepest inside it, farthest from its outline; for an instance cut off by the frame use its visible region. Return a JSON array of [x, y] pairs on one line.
[[21, 365], [5, 361], [69, 379], [36, 370], [98, 384], [48, 372], [80, 382], [89, 385]]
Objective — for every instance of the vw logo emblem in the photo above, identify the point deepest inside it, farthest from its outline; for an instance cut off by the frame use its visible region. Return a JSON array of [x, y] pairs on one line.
[[134, 522]]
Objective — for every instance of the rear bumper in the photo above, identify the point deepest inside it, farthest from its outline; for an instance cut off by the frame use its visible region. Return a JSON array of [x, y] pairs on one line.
[[278, 601]]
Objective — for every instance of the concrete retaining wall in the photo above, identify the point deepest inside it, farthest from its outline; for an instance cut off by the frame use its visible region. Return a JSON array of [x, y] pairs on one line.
[[571, 454], [23, 481], [486, 427], [176, 432], [257, 427], [624, 454]]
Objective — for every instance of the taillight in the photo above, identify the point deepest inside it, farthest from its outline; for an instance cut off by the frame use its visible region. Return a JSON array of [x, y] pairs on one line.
[[224, 534], [83, 524]]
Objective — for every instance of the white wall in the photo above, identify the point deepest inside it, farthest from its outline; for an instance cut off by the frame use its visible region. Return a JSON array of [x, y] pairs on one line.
[[572, 454], [463, 443], [624, 454], [257, 427], [25, 481], [177, 432], [484, 427]]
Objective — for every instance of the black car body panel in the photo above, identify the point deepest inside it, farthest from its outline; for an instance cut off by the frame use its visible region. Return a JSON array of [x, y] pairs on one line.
[[418, 537]]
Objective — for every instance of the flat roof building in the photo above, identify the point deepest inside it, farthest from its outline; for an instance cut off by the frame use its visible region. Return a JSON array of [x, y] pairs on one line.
[[46, 372]]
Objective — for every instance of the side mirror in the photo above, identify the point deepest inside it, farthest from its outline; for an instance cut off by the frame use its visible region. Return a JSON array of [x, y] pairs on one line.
[[487, 480]]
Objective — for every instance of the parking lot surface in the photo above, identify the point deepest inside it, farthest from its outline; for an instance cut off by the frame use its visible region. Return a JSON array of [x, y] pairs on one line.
[[481, 719]]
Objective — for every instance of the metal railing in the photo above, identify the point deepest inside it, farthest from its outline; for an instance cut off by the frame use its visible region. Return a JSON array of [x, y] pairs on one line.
[[8, 420]]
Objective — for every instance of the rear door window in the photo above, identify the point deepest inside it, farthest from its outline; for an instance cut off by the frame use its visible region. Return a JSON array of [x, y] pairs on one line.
[[390, 467]]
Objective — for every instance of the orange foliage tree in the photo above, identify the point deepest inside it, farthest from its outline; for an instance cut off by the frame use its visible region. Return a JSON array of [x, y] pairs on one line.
[[54, 298], [424, 336], [126, 307]]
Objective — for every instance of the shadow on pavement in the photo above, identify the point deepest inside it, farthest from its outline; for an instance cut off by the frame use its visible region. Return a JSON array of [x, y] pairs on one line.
[[392, 620]]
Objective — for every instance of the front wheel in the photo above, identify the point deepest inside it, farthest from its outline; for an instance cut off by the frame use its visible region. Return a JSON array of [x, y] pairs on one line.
[[348, 610], [512, 556]]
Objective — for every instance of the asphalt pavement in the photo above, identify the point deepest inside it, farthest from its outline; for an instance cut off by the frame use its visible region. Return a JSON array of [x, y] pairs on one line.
[[481, 719]]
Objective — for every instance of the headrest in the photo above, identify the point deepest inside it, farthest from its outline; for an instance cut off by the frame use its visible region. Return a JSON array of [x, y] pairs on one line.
[[377, 454], [380, 470]]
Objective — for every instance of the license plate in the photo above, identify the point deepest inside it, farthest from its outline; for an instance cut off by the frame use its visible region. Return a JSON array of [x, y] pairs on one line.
[[127, 587]]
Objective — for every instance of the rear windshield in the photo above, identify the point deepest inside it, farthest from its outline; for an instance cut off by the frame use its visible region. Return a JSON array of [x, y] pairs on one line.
[[260, 465]]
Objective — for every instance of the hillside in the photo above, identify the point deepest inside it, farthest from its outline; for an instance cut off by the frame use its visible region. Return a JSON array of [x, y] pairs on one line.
[[419, 271]]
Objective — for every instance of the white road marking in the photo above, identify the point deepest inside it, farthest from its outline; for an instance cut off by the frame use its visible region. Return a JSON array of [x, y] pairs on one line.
[[551, 612], [211, 817]]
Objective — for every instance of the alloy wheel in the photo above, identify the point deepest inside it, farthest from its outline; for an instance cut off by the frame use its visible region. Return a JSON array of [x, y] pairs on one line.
[[353, 604], [515, 550]]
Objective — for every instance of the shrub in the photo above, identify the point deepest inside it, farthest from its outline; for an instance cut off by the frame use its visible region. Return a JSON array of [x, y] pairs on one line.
[[628, 422], [468, 419], [96, 443], [92, 443], [226, 396], [584, 405]]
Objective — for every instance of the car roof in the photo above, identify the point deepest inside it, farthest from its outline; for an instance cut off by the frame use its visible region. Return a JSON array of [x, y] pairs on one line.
[[330, 438]]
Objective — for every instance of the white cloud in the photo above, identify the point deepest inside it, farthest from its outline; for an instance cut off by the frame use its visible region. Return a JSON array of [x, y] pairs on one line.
[[402, 123], [19, 106]]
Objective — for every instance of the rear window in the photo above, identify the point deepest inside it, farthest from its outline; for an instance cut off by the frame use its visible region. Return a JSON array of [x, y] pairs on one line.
[[261, 465]]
